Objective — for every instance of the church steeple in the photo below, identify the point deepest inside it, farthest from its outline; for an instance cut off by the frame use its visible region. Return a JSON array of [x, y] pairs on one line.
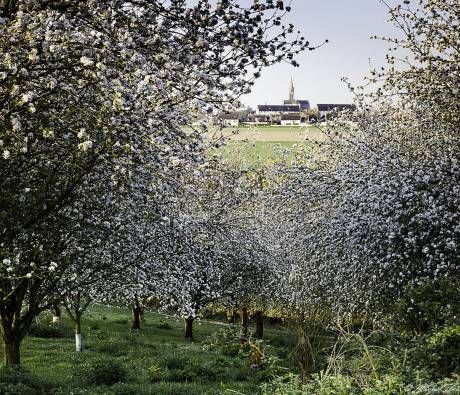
[[291, 91]]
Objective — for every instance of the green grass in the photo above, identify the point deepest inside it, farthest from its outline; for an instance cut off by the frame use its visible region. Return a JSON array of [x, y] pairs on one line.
[[276, 128], [154, 360], [263, 152]]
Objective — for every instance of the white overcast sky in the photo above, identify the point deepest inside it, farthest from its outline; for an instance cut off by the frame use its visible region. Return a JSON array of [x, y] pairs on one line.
[[348, 25]]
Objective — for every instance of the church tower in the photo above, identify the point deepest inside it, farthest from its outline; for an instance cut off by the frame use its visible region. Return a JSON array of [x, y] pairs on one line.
[[291, 91]]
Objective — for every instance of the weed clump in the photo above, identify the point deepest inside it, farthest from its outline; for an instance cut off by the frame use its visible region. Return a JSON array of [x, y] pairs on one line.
[[19, 381], [164, 325], [444, 351], [49, 331], [105, 372]]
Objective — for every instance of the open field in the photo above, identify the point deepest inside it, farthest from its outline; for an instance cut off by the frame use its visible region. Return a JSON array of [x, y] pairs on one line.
[[254, 152], [265, 144], [154, 360], [274, 133]]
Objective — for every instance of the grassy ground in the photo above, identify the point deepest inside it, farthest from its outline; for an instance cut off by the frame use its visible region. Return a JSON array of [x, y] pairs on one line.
[[258, 151], [155, 360], [277, 128], [262, 152], [271, 133]]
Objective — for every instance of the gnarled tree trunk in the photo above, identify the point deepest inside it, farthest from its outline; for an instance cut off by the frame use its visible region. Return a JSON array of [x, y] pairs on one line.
[[12, 355], [189, 328], [244, 320], [15, 322], [136, 318], [259, 332], [137, 311]]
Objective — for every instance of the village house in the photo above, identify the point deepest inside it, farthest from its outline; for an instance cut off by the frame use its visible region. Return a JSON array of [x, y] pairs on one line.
[[231, 119], [292, 119], [277, 109], [325, 110], [292, 112], [257, 119]]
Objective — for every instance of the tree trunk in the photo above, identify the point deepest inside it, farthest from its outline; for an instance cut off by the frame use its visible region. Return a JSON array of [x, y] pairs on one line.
[[259, 332], [56, 310], [141, 314], [78, 335], [15, 322], [189, 328], [12, 356], [136, 318], [243, 312], [137, 313]]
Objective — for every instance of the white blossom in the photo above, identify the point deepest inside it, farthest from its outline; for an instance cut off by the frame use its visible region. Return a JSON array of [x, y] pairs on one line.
[[85, 145], [85, 61]]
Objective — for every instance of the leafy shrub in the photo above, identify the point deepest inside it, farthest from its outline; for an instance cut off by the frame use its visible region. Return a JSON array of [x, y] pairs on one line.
[[156, 373], [101, 334], [190, 373], [281, 342], [164, 325], [122, 389], [283, 385], [19, 381], [230, 350], [113, 348], [202, 370], [105, 372], [181, 375], [171, 388], [115, 389], [175, 369], [444, 352], [174, 362], [434, 303], [241, 376], [94, 326], [16, 389], [330, 384], [324, 384], [222, 337], [133, 339], [256, 353], [50, 331]]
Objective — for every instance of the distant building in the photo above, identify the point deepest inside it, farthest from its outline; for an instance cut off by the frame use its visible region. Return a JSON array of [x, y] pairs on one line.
[[325, 109], [256, 119], [291, 91], [232, 119], [289, 106], [277, 109], [291, 119], [304, 105]]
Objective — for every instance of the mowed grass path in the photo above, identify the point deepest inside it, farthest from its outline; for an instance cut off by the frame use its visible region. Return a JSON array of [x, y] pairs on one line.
[[155, 360]]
